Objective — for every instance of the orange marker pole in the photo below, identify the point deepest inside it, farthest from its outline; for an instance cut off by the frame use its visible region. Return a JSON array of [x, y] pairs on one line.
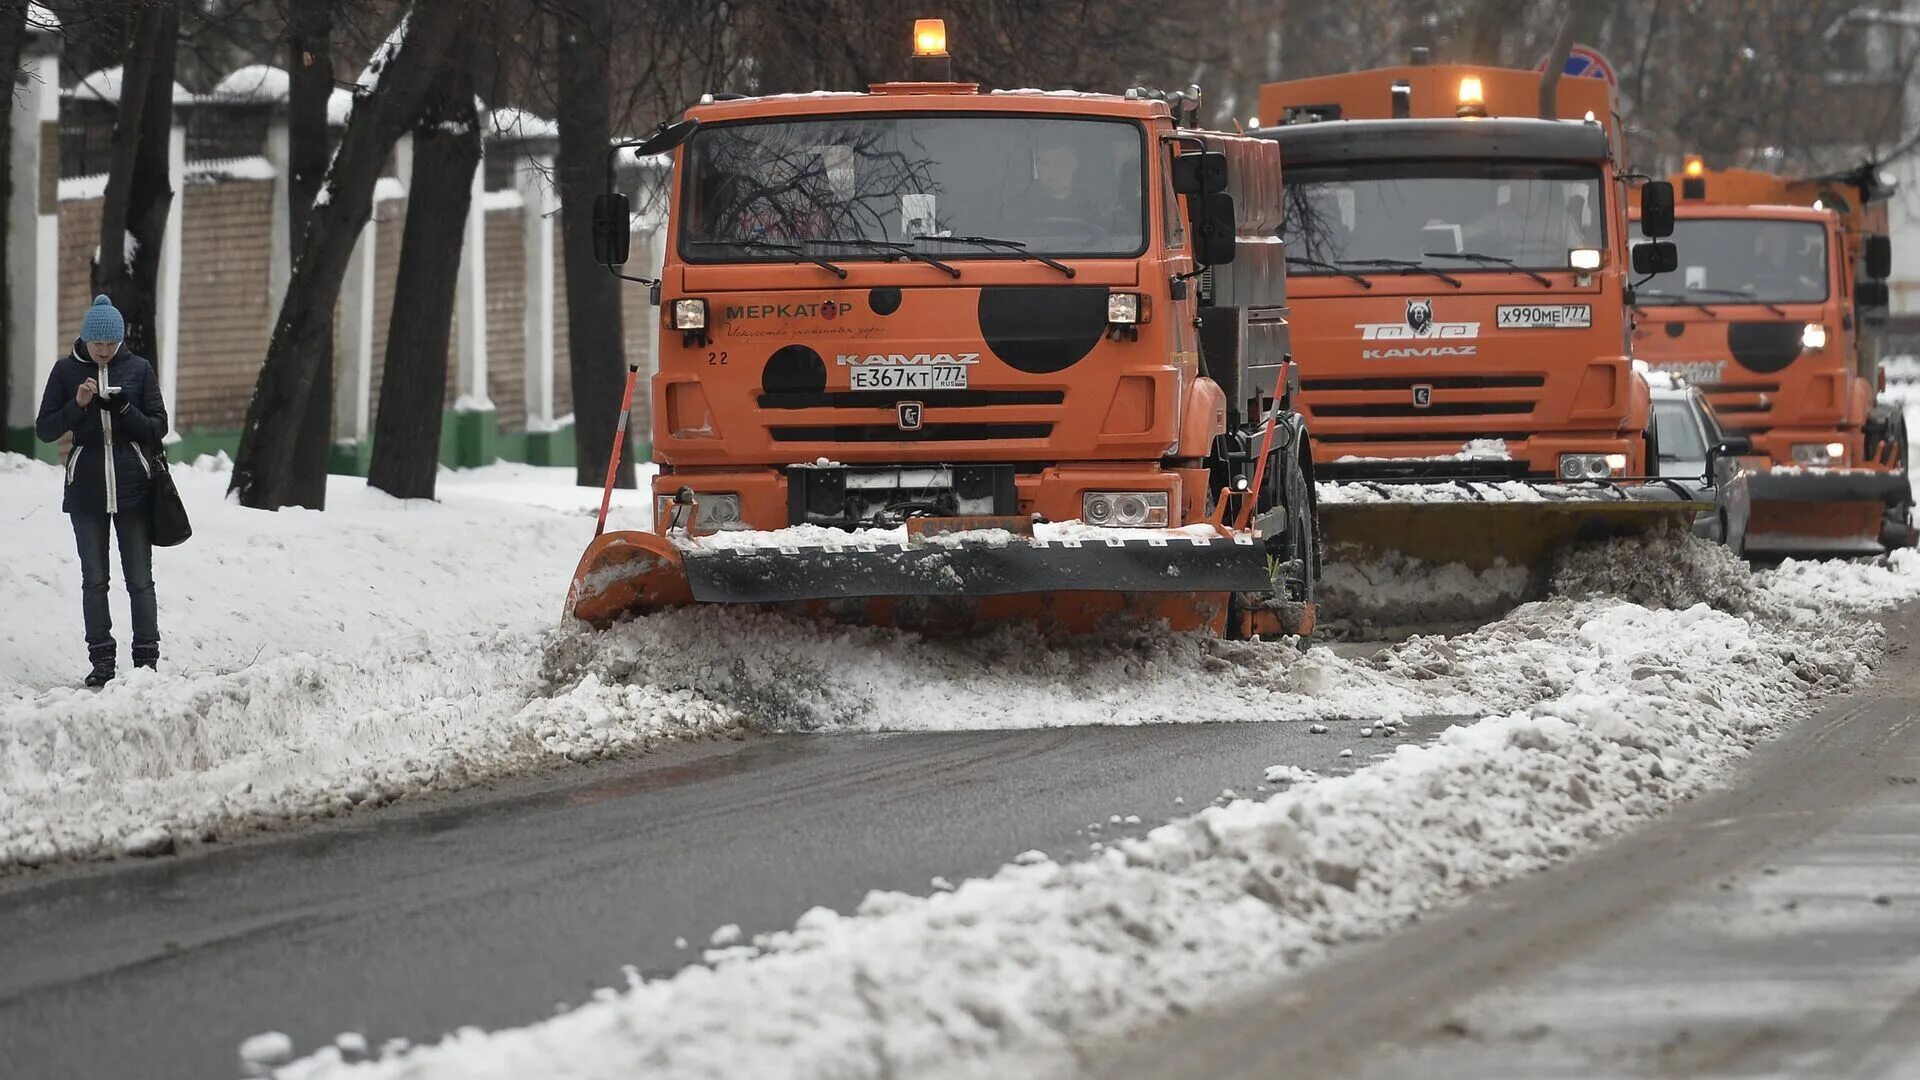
[[619, 444], [1259, 471]]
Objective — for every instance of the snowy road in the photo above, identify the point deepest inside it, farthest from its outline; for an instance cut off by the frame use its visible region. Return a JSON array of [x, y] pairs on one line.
[[1766, 930], [508, 902]]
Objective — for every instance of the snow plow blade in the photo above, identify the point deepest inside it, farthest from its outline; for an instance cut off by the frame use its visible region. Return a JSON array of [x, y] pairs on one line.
[[1481, 531], [1827, 513], [943, 584]]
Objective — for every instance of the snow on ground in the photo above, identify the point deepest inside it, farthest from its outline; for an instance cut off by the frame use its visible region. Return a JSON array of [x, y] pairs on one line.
[[1596, 712], [1497, 491], [310, 661]]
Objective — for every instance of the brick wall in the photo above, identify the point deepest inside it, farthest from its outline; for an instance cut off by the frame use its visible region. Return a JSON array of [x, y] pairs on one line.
[[225, 316], [389, 215], [79, 239], [506, 318]]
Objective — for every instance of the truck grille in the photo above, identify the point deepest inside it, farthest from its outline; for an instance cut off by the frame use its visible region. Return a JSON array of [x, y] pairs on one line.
[[933, 399], [890, 433], [1444, 408], [1392, 397]]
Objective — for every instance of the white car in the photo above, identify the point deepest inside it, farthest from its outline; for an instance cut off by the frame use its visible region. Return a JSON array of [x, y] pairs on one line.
[[1693, 450]]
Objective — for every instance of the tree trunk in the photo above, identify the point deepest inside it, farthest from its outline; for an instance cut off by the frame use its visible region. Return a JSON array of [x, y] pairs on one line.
[[597, 357], [413, 392], [139, 193], [408, 71], [1581, 20], [310, 78], [13, 40]]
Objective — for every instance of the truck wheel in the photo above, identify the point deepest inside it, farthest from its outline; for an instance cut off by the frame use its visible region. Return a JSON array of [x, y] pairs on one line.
[[1297, 557]]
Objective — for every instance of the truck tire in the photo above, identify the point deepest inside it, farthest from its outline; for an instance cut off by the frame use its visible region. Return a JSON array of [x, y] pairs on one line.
[[1297, 555]]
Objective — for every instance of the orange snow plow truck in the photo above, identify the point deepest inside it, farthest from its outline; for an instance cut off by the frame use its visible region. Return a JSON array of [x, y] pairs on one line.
[[935, 357], [1771, 313], [1459, 272]]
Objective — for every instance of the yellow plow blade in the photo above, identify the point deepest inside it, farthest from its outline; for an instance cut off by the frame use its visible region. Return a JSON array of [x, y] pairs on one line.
[[1481, 536]]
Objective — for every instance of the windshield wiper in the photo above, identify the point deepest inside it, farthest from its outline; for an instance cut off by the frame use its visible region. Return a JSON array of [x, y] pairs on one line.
[[768, 245], [1015, 246], [890, 245], [1676, 298], [1405, 266], [1502, 260], [1743, 294], [1302, 260]]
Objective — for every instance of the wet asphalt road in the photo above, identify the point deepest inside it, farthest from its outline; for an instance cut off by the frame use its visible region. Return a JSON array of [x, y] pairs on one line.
[[493, 909], [1771, 929]]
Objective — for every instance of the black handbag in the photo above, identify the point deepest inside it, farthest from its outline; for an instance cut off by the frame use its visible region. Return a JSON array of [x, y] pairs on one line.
[[170, 524]]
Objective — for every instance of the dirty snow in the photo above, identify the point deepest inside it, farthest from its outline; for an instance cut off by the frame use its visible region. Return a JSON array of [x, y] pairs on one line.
[[1595, 713]]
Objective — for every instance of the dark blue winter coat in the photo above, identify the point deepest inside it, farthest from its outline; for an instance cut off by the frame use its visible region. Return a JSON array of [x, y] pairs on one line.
[[111, 467]]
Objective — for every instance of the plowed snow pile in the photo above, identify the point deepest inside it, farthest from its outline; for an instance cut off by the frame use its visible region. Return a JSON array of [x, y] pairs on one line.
[[1595, 712]]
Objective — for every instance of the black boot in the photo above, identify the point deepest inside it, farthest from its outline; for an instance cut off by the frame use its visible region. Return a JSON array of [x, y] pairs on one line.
[[103, 663], [146, 657]]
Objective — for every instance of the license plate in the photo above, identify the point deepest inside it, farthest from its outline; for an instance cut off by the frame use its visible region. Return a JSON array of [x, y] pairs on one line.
[[914, 377], [1543, 316]]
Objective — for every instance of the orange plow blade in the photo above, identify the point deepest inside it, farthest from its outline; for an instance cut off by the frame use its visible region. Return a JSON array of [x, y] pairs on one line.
[[948, 584], [1827, 512]]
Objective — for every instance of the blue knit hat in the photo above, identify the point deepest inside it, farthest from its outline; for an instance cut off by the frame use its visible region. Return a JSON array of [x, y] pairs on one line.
[[103, 322]]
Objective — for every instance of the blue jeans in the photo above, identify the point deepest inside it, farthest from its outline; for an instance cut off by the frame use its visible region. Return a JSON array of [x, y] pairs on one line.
[[135, 531]]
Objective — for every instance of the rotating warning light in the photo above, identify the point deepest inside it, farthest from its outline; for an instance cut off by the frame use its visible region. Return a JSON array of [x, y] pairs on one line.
[[1473, 101], [1695, 166], [929, 37]]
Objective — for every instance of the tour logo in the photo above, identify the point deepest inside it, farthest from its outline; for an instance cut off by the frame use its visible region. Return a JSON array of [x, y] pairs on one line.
[[1419, 325]]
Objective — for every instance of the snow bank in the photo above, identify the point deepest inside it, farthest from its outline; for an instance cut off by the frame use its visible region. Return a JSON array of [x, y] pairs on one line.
[[310, 662], [1614, 711]]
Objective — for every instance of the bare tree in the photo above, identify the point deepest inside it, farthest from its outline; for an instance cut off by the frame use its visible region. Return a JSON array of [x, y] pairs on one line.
[[446, 151], [402, 78], [310, 85], [598, 355], [13, 40], [139, 192]]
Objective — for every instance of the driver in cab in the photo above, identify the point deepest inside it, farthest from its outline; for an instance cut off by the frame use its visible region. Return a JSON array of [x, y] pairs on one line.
[[1063, 207]]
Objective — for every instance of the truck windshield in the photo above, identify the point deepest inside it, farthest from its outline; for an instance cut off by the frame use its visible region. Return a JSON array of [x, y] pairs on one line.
[[1731, 260], [1463, 217], [1050, 186]]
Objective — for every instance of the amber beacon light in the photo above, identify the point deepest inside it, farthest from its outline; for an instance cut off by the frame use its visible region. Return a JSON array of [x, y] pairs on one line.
[[929, 37]]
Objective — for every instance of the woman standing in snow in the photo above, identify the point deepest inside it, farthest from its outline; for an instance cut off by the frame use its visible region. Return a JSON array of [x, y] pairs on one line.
[[109, 399]]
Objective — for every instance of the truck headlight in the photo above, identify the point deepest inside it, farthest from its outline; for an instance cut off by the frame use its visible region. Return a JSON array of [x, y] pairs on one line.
[[1592, 466], [1813, 337], [718, 509], [1584, 258], [1128, 309], [1820, 455], [690, 314], [1127, 509]]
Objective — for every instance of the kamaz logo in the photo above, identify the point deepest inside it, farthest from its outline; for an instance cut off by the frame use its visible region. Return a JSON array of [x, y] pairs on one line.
[[1428, 350], [905, 359]]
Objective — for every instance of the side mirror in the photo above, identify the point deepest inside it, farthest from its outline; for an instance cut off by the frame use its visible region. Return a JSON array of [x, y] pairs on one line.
[[1734, 446], [1213, 228], [1203, 173], [1655, 257], [1871, 294], [1656, 209], [666, 137], [1879, 257], [612, 229]]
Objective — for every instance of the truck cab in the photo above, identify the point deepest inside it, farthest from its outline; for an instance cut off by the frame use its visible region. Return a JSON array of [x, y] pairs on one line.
[[1770, 313], [929, 301], [939, 325], [1459, 272]]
